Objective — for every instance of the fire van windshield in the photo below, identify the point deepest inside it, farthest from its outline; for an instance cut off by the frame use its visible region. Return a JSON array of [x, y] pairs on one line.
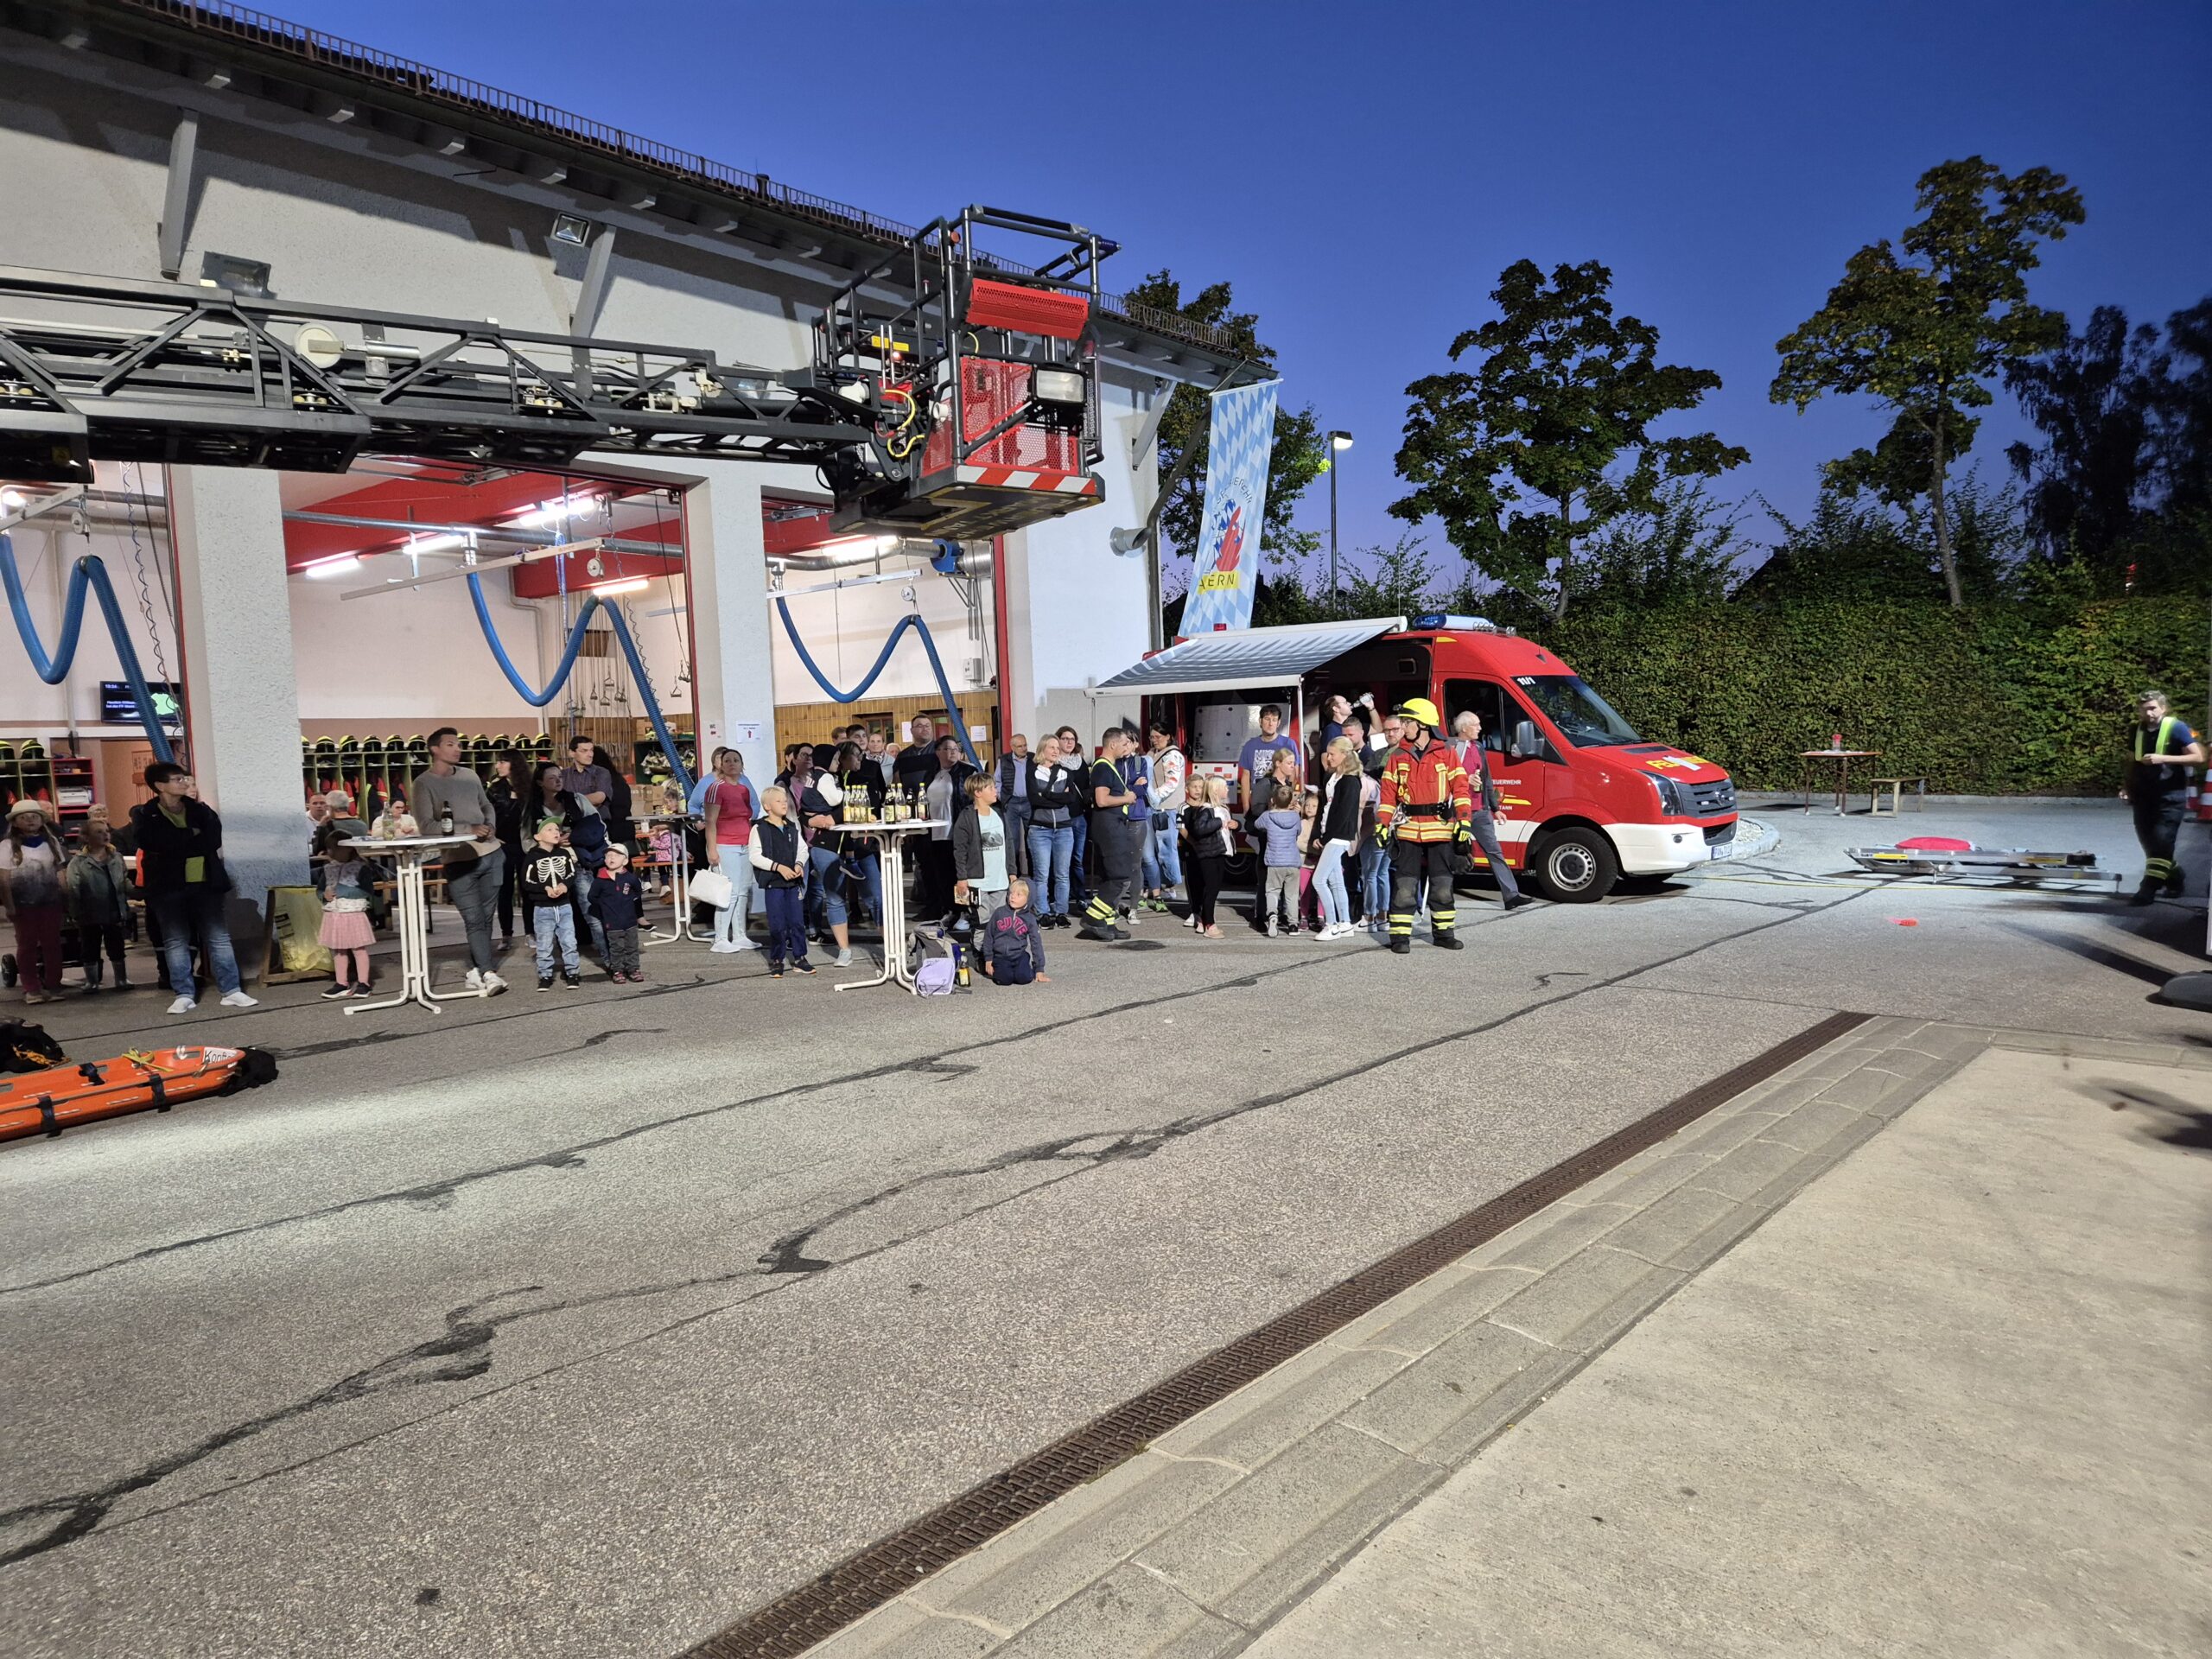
[[1584, 718]]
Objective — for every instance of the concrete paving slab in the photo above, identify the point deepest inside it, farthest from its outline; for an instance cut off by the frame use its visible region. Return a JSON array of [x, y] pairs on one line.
[[1131, 1611], [1259, 1422], [1465, 1376], [1262, 1543], [1582, 1303], [1947, 1401]]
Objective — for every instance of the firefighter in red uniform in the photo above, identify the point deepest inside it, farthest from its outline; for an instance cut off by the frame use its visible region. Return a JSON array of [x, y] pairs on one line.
[[1425, 811]]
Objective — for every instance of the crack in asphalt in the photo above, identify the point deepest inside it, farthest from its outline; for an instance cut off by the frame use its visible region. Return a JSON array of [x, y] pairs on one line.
[[462, 1350]]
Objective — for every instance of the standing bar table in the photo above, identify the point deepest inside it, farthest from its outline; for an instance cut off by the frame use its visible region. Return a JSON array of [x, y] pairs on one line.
[[408, 854], [886, 837], [1843, 757], [679, 879]]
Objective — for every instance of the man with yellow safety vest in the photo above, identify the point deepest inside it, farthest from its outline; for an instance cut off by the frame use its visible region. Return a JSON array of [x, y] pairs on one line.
[[2157, 788], [1424, 812]]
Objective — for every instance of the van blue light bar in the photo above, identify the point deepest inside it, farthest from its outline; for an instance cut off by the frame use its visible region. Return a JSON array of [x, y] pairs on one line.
[[1438, 620]]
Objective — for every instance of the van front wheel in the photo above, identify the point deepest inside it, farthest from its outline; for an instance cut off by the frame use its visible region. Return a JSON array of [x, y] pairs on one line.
[[1576, 867]]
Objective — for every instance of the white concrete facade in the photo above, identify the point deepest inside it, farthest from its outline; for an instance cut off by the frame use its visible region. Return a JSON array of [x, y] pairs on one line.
[[347, 222]]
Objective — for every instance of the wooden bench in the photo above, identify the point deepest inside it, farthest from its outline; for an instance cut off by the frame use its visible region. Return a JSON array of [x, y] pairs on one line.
[[1896, 786]]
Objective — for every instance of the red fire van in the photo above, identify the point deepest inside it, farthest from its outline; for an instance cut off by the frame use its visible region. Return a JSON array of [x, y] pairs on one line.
[[1587, 801]]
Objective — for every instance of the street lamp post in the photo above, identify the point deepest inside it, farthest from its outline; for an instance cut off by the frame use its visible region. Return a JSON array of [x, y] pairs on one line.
[[1338, 442]]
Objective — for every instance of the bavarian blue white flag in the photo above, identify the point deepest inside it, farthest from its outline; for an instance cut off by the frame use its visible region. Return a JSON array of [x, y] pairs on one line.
[[1228, 562]]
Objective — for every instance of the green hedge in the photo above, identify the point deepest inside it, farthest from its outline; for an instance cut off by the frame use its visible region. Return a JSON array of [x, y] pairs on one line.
[[2018, 700]]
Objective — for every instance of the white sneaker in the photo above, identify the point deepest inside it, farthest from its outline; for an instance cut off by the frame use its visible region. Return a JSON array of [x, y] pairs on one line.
[[493, 984], [723, 948], [842, 959], [240, 1000], [184, 1005], [745, 944], [474, 980]]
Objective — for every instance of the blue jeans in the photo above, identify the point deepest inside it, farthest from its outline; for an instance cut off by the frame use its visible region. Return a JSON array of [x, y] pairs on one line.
[[825, 880], [1374, 881], [1160, 855], [555, 924], [1329, 883], [182, 910], [870, 875], [786, 924], [1078, 889], [1051, 851]]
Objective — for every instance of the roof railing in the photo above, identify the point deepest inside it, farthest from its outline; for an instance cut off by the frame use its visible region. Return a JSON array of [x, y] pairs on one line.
[[219, 18]]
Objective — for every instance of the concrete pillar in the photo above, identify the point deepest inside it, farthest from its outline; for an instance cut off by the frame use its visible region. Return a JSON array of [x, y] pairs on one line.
[[729, 570], [241, 693]]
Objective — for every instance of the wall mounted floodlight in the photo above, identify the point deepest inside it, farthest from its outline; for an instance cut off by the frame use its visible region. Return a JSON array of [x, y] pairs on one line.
[[575, 231], [246, 276]]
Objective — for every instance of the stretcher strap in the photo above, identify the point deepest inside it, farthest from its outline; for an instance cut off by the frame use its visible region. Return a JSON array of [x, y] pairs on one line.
[[937, 667], [87, 573], [538, 699]]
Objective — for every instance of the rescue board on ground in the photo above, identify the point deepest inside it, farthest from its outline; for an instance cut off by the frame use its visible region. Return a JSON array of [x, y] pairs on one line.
[[48, 1101], [1943, 859]]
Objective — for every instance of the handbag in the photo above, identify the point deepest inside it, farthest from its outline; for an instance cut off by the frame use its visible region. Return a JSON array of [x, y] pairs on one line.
[[713, 889]]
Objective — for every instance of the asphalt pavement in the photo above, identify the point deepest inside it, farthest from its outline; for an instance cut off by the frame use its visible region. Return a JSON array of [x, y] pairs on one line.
[[581, 1323]]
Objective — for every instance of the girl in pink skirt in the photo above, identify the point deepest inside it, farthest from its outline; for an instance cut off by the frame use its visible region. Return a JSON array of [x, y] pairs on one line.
[[347, 934]]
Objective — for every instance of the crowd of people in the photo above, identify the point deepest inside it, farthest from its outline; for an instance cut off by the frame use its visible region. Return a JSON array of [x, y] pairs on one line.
[[1094, 838]]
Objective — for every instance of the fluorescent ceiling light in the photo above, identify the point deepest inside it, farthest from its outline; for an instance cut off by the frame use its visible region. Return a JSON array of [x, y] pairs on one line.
[[556, 512], [444, 544], [628, 585], [336, 565], [11, 500]]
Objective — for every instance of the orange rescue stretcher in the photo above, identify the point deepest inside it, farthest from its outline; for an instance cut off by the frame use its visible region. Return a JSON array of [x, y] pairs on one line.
[[49, 1101]]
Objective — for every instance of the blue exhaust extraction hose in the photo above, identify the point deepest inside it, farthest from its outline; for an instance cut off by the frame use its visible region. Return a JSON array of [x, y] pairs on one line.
[[944, 685], [87, 573], [538, 699]]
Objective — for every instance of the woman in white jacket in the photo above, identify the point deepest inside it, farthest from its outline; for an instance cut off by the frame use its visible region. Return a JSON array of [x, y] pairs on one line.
[[1167, 773]]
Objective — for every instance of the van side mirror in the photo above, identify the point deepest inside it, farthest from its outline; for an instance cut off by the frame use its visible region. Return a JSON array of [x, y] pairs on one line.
[[1528, 742]]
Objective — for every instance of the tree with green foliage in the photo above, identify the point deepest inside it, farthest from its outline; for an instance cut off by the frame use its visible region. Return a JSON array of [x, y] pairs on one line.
[[1922, 326], [2095, 398], [1855, 548], [1546, 439], [1297, 460]]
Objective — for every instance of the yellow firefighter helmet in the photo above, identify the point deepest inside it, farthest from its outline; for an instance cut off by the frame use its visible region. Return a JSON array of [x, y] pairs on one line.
[[1420, 708]]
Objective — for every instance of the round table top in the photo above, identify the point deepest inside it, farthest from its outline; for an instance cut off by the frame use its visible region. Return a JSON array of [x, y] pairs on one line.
[[406, 843], [902, 827], [1839, 754]]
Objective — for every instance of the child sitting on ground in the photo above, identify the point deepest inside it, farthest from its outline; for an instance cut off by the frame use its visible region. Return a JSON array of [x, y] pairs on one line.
[[549, 871], [618, 899], [347, 931], [1280, 826], [1013, 943]]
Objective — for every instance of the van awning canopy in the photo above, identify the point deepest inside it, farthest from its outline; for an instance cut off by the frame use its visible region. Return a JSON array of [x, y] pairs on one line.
[[1259, 656]]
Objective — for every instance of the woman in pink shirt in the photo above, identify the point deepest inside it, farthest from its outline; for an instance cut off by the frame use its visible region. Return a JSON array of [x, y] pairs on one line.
[[729, 827]]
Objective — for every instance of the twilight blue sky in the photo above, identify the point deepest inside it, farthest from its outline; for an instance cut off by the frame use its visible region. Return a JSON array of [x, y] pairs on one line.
[[1360, 172]]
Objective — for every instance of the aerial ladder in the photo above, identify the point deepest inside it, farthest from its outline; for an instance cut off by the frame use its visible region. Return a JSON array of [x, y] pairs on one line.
[[952, 394]]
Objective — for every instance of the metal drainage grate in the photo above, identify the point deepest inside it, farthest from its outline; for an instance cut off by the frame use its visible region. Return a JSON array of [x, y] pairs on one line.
[[861, 1582]]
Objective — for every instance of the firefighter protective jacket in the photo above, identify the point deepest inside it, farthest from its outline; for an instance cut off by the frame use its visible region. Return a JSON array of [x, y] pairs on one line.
[[1425, 793]]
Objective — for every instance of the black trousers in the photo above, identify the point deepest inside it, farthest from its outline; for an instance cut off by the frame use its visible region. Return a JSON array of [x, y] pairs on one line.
[[1115, 838], [1205, 871], [1413, 862], [2157, 826], [509, 877], [91, 935]]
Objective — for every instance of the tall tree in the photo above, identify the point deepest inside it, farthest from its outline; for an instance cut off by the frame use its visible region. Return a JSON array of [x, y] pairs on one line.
[[1921, 330], [2185, 412], [2094, 397], [1297, 460], [1546, 439]]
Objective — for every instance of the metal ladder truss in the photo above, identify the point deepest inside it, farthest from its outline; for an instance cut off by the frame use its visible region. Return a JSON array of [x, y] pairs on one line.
[[103, 368]]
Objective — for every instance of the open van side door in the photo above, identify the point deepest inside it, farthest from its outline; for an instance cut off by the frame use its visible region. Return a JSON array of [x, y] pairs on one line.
[[1525, 776]]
